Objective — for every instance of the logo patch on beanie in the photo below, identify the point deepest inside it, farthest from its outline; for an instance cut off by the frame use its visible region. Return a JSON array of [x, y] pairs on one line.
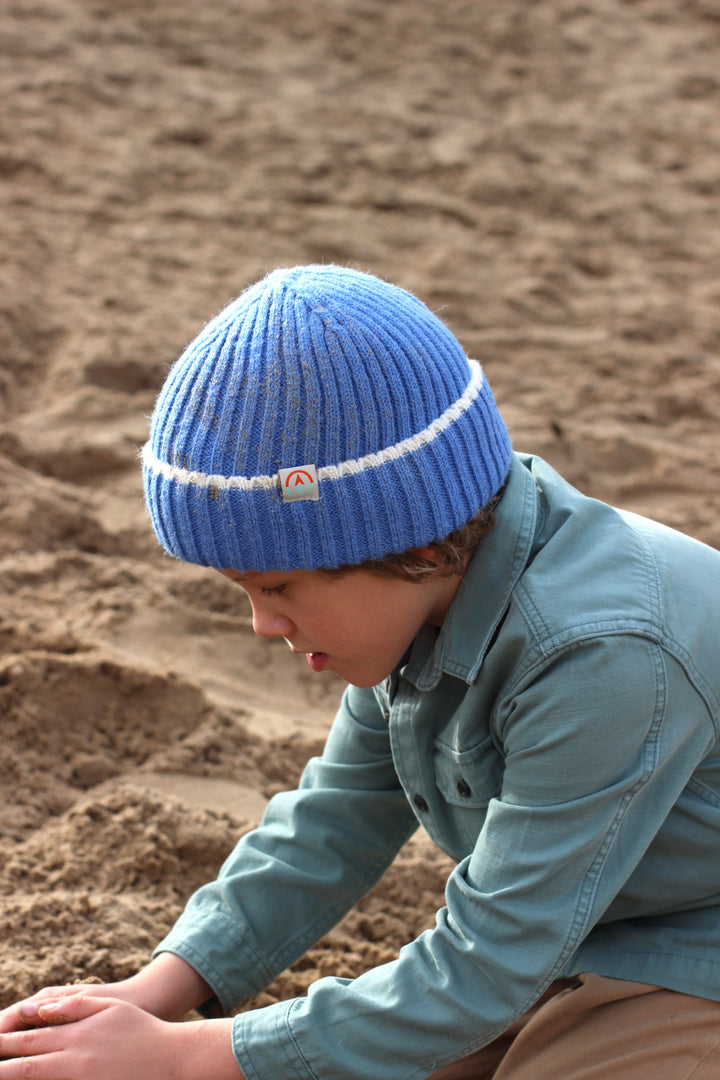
[[299, 483]]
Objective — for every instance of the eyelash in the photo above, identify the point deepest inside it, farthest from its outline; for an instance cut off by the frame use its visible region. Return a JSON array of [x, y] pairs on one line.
[[277, 590]]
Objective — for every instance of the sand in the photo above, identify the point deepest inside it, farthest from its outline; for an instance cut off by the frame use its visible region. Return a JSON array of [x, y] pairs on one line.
[[545, 175]]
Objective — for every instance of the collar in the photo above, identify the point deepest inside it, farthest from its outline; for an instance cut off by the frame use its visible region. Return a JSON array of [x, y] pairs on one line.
[[484, 593]]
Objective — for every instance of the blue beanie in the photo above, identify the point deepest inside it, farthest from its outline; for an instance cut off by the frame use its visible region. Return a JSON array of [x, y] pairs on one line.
[[323, 418]]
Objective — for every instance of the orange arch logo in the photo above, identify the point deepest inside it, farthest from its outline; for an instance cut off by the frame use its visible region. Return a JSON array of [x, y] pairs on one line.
[[298, 483]]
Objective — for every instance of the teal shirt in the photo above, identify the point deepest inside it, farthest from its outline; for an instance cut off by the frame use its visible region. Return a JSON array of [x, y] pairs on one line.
[[559, 739]]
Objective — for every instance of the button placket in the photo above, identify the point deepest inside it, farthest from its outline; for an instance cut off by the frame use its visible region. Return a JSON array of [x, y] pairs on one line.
[[403, 737]]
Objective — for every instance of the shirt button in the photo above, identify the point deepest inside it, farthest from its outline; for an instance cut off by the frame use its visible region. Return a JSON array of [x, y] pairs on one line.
[[464, 788], [421, 803]]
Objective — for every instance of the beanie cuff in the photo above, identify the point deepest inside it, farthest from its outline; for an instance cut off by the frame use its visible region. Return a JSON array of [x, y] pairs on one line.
[[407, 495]]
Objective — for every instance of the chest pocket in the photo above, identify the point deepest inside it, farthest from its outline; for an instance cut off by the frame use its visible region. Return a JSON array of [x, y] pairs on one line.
[[468, 778]]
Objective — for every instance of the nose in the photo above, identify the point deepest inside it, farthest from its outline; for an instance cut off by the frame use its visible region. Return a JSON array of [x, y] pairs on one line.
[[268, 623]]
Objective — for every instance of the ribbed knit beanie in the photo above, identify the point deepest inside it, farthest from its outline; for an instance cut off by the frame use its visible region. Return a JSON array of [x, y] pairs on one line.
[[323, 418]]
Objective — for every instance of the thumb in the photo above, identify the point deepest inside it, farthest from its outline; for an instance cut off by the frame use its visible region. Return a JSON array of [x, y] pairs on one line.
[[72, 1007]]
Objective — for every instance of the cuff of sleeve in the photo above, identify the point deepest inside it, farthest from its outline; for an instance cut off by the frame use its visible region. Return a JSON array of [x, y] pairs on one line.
[[264, 1047], [225, 958]]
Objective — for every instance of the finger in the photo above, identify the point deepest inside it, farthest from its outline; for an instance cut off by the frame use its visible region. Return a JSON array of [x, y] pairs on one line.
[[11, 1019], [18, 1017], [26, 1044], [49, 1067], [25, 1013], [77, 1006]]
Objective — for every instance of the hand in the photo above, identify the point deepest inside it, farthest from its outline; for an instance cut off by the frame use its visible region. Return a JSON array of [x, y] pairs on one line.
[[25, 1013], [90, 1036], [168, 988]]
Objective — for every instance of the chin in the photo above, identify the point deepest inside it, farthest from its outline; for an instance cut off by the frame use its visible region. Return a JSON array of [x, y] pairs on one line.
[[365, 682]]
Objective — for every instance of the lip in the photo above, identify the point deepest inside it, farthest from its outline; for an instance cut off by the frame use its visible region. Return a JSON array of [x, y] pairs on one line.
[[318, 661]]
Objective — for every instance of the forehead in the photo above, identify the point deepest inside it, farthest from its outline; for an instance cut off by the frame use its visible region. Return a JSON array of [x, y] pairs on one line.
[[255, 577]]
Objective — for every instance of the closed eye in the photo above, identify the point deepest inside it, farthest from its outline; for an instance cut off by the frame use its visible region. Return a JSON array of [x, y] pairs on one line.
[[276, 590]]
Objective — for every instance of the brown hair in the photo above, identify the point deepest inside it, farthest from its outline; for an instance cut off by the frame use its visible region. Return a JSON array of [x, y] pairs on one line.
[[451, 554]]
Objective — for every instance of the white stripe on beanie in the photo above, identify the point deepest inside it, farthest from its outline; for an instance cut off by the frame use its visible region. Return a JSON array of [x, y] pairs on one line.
[[326, 472]]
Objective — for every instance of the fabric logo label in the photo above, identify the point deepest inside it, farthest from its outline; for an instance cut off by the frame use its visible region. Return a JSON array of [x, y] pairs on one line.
[[299, 483]]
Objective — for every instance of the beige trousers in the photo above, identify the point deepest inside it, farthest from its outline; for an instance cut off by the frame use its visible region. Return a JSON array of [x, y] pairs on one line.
[[593, 1028]]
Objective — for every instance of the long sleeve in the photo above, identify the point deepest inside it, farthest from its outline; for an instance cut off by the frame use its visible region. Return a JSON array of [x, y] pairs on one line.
[[317, 851]]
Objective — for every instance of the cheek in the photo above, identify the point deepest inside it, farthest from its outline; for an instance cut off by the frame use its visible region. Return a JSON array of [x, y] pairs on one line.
[[375, 637], [341, 633]]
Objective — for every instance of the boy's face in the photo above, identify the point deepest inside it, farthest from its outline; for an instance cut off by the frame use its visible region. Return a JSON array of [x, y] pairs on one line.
[[358, 624]]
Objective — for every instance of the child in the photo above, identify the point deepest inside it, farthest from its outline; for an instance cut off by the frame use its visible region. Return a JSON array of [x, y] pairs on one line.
[[542, 696]]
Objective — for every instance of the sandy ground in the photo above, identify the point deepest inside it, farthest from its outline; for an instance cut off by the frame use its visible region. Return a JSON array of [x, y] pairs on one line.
[[545, 175]]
